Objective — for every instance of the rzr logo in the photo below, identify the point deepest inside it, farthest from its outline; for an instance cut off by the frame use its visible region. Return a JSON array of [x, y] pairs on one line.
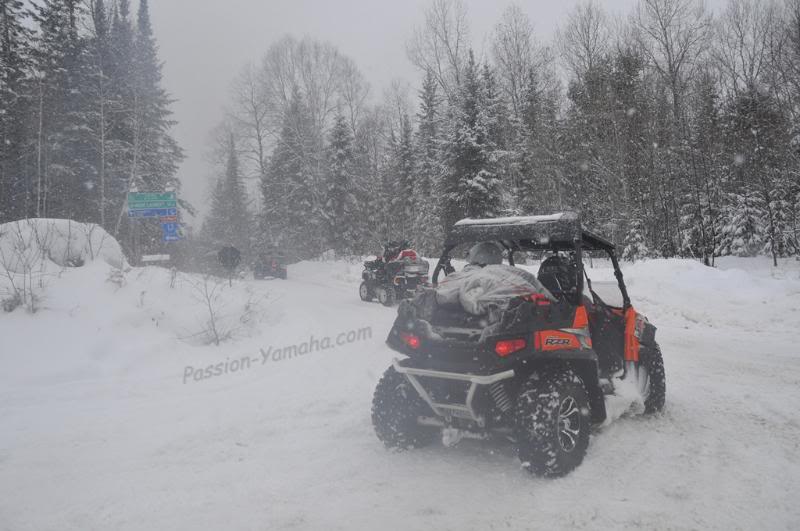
[[556, 341]]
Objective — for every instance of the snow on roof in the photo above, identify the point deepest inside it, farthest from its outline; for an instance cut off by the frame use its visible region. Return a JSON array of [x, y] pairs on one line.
[[519, 220]]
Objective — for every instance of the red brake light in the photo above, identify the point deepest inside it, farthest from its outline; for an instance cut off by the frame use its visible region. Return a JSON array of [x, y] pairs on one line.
[[506, 347], [410, 339]]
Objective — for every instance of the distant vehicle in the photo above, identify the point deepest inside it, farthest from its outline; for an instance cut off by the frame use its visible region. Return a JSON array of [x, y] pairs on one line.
[[270, 264], [394, 276], [495, 349]]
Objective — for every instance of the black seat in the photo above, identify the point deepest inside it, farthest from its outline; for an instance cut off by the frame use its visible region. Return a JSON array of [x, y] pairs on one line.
[[559, 276]]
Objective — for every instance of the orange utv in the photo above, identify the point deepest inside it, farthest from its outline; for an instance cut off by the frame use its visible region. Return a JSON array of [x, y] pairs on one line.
[[494, 349]]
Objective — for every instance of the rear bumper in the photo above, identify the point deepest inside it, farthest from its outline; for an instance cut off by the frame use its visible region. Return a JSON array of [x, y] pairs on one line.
[[449, 410], [477, 379]]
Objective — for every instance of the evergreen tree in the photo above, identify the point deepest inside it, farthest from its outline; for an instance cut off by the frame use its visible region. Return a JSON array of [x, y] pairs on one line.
[[62, 174], [427, 227], [121, 171], [535, 183], [471, 186], [292, 216], [101, 105], [635, 242], [159, 153], [153, 155], [402, 168], [742, 232], [14, 108], [757, 136], [341, 208], [228, 222]]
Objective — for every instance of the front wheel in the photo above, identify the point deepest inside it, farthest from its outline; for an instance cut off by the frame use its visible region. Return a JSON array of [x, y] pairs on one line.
[[386, 295], [364, 292], [651, 378], [396, 405], [552, 423]]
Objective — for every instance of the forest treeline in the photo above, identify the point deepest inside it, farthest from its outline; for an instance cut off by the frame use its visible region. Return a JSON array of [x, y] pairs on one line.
[[83, 116], [674, 130]]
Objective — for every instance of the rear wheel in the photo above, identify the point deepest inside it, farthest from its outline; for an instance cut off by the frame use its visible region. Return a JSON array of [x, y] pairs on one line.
[[396, 405], [364, 292], [552, 423], [386, 295], [651, 378]]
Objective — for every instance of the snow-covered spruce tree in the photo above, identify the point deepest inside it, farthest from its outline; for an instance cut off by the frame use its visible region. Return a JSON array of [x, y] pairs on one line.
[[61, 142], [101, 104], [536, 172], [742, 232], [229, 221], [402, 171], [122, 122], [14, 109], [634, 246], [497, 123], [341, 208], [757, 134], [368, 161], [470, 186], [156, 154], [589, 146], [427, 232], [292, 215]]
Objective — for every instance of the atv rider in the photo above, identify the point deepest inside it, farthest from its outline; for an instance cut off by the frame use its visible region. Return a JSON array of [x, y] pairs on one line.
[[391, 252]]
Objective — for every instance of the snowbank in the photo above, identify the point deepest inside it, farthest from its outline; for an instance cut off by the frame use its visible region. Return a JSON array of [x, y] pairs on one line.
[[39, 243]]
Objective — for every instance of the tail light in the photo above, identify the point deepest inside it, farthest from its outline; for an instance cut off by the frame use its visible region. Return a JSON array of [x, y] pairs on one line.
[[507, 347], [410, 339]]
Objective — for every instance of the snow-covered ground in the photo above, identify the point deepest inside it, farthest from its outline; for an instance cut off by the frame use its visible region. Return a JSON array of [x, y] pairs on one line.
[[115, 415]]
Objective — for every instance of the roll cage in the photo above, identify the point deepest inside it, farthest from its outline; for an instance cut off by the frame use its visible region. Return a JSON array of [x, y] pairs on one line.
[[555, 232]]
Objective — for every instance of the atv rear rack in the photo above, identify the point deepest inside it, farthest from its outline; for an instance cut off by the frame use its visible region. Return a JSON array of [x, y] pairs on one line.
[[448, 411]]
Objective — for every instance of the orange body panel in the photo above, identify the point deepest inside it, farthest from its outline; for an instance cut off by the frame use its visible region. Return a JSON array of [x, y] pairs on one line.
[[631, 341], [581, 318], [549, 340]]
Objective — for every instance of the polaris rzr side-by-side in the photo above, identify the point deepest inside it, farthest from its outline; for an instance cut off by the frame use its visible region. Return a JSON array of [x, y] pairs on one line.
[[494, 349], [394, 276]]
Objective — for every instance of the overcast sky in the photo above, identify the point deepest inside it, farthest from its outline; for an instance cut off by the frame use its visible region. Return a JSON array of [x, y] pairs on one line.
[[205, 44]]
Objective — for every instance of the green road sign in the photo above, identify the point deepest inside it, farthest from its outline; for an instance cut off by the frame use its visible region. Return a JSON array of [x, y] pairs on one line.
[[151, 204], [146, 200], [151, 196]]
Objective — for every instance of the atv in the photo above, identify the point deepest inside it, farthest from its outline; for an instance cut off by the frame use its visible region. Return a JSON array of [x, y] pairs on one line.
[[394, 276], [270, 264], [495, 350]]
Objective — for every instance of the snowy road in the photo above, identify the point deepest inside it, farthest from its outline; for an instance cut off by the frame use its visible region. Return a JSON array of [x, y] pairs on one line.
[[102, 429]]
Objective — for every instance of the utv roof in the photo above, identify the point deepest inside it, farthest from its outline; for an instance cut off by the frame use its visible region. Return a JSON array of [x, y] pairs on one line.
[[554, 231]]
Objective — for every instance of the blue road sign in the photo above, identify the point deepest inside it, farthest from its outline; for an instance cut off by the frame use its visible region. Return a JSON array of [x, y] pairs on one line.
[[171, 232], [152, 212]]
